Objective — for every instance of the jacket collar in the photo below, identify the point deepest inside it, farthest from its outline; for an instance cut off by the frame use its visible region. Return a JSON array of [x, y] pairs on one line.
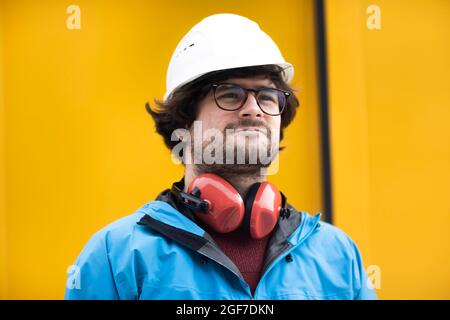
[[162, 217], [165, 213], [294, 228]]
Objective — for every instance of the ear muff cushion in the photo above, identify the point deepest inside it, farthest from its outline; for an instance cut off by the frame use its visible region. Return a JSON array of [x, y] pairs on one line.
[[265, 210], [226, 207], [248, 202]]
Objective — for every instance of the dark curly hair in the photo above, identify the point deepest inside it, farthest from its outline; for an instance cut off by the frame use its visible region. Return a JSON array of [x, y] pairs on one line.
[[180, 109]]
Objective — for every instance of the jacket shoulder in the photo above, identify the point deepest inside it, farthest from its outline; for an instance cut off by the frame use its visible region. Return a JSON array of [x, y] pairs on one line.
[[333, 233], [126, 225], [332, 238]]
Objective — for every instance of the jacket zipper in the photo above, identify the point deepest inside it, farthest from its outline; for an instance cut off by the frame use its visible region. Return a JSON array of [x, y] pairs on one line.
[[248, 291], [240, 277], [286, 249], [280, 252]]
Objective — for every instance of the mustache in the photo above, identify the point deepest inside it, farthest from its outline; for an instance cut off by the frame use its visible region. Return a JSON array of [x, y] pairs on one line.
[[248, 123]]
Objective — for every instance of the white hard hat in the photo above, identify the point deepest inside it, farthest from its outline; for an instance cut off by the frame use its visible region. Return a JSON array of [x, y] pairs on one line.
[[222, 41]]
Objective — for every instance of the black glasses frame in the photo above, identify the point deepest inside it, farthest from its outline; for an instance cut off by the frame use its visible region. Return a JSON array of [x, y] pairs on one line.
[[256, 91]]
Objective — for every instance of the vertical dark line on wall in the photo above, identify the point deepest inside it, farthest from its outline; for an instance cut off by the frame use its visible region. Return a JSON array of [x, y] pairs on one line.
[[324, 121]]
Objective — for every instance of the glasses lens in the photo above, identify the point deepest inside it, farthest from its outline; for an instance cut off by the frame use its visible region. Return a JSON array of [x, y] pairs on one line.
[[271, 101], [229, 96]]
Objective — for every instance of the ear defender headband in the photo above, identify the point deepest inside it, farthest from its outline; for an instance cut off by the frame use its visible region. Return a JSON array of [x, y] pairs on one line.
[[218, 204]]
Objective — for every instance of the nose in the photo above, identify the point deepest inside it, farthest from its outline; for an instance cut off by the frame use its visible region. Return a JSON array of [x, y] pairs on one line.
[[250, 109]]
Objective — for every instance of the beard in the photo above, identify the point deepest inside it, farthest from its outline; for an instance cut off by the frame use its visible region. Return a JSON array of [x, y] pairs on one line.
[[241, 152]]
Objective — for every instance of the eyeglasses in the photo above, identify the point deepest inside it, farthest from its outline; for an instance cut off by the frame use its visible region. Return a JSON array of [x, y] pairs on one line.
[[231, 97]]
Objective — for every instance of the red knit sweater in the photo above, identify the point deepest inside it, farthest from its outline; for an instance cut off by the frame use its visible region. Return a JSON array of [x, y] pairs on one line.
[[246, 253]]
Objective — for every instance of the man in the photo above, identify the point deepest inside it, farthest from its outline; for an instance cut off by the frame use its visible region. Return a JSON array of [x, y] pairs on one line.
[[223, 231]]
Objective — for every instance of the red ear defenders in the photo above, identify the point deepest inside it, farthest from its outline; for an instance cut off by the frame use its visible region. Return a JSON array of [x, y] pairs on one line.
[[217, 203]]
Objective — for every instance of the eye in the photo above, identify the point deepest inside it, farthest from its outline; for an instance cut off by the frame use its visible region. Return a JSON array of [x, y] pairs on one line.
[[230, 95], [267, 97]]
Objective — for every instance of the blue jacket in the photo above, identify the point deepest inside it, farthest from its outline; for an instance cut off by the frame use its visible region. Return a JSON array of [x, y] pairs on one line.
[[159, 253]]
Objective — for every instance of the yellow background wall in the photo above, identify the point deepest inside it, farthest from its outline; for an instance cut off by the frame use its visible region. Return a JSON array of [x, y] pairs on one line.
[[78, 150], [389, 92]]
